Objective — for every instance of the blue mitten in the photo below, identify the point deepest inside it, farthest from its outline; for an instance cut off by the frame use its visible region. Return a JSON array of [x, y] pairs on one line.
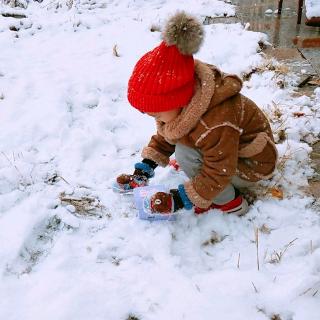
[[166, 203], [142, 173]]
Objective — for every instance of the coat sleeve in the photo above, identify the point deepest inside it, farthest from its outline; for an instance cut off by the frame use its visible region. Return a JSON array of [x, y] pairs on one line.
[[219, 149], [158, 150]]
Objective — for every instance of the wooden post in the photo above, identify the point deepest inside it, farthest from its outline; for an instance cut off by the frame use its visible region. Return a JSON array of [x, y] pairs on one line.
[[300, 7], [280, 6]]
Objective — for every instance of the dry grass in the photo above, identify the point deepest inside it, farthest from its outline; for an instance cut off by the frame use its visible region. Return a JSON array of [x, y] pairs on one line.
[[84, 206], [23, 181], [275, 117], [279, 114], [270, 65], [115, 51], [275, 188], [312, 290], [277, 256], [265, 229], [256, 236], [214, 238], [273, 316], [273, 65]]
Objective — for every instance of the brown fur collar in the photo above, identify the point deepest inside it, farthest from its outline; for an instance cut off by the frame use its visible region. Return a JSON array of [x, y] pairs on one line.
[[192, 113]]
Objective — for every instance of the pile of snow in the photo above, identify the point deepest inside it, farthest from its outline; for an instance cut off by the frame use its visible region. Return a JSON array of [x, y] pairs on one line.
[[73, 249], [312, 8]]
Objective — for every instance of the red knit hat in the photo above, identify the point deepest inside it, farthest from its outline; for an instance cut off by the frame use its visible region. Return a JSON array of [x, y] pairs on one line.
[[163, 79]]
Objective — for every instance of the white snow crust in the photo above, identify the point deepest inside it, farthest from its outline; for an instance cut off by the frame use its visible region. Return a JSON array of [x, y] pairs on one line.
[[67, 130]]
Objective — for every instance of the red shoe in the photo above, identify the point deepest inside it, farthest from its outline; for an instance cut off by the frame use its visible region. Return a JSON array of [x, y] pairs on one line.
[[237, 206], [198, 210]]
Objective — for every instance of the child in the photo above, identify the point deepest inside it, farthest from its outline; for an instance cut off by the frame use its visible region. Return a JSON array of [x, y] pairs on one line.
[[220, 138]]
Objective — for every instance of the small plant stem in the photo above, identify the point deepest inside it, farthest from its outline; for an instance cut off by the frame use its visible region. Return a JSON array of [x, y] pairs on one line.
[[255, 288], [256, 231]]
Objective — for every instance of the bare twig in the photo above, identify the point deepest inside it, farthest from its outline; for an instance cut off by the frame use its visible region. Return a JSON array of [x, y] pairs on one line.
[[238, 264], [64, 180], [13, 15], [304, 81], [255, 288], [304, 292]]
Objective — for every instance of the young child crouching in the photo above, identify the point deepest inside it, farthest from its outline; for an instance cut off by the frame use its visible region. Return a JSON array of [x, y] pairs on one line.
[[220, 138]]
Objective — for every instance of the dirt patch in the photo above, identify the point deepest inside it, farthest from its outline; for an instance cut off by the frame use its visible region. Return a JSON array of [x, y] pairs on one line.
[[315, 157], [314, 188]]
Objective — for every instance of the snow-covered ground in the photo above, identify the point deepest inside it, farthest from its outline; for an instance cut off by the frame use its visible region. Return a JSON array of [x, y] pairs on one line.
[[67, 130], [312, 8]]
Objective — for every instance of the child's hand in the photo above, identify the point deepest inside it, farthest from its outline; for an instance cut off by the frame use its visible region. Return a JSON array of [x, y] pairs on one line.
[[128, 182], [167, 203], [162, 202], [140, 177]]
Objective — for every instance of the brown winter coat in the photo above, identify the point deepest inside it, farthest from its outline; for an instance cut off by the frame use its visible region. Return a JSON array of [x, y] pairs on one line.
[[231, 132]]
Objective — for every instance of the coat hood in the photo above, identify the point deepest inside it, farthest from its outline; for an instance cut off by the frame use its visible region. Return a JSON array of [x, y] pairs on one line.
[[212, 88]]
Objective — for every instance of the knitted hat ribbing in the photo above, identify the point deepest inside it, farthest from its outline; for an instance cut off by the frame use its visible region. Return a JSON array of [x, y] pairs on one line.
[[163, 79]]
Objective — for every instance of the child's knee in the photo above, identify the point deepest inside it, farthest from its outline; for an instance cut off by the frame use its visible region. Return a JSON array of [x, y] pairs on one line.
[[189, 159]]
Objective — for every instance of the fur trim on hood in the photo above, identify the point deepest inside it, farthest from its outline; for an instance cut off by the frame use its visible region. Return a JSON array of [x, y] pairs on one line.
[[212, 88]]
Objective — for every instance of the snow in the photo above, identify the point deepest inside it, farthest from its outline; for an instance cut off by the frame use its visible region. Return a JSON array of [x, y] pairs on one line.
[[67, 130], [312, 8]]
